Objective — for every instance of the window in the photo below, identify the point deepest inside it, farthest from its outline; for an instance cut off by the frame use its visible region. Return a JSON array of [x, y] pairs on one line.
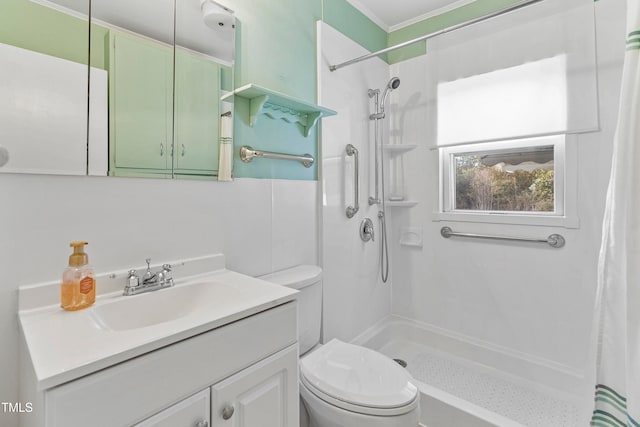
[[516, 181]]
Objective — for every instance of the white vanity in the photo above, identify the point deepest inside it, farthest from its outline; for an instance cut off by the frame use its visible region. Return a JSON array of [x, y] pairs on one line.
[[217, 349]]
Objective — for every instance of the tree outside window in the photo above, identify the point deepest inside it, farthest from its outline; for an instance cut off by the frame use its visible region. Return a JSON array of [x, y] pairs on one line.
[[527, 186]]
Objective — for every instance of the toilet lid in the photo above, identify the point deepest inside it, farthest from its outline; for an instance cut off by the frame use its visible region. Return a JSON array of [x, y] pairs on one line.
[[358, 376]]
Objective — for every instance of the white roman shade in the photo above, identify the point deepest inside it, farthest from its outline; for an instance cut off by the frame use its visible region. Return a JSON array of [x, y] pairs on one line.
[[528, 73]]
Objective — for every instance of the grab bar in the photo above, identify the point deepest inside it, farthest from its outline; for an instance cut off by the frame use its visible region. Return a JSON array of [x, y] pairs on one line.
[[352, 210], [554, 240], [247, 154]]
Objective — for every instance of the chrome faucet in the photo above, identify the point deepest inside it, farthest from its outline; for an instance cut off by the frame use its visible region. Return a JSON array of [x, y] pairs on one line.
[[150, 281]]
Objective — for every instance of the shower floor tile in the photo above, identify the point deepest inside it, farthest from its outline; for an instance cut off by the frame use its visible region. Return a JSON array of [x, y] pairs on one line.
[[517, 400]]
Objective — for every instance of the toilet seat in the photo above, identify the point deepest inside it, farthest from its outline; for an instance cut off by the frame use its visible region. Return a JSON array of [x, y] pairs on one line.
[[358, 379]]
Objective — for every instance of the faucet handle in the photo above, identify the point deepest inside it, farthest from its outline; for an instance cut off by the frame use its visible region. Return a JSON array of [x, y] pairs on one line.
[[166, 272], [132, 279], [132, 283], [366, 230]]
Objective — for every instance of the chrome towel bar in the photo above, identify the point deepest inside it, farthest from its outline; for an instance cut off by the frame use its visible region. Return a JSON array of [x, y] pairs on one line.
[[247, 154], [554, 240]]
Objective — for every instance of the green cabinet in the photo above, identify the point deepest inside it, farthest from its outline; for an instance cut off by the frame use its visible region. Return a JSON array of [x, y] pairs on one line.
[[140, 105], [197, 114], [164, 110]]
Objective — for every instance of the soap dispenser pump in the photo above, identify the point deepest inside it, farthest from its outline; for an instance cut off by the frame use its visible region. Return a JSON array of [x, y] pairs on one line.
[[78, 289]]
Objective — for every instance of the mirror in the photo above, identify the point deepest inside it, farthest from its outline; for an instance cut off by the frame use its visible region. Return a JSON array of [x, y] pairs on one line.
[[44, 83], [204, 56], [133, 42], [166, 64], [158, 70]]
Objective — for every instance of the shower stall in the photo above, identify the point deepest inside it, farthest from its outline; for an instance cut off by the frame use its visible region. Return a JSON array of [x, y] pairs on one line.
[[497, 333]]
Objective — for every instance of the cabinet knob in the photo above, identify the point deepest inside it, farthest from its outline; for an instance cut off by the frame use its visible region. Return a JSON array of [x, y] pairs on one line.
[[227, 412], [203, 423]]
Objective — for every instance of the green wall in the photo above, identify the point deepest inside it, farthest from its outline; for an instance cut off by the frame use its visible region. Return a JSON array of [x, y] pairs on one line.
[[31, 26], [276, 48], [353, 24], [447, 19], [276, 43]]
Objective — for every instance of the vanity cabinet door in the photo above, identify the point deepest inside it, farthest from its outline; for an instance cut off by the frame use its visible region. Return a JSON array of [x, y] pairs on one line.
[[125, 393], [140, 103], [262, 395], [197, 115], [191, 412]]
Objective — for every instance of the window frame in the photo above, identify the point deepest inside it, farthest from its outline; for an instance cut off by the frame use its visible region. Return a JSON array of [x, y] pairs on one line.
[[564, 214]]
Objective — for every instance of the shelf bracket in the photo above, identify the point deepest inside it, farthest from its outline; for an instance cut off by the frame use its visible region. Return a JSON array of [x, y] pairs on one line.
[[256, 107], [312, 119]]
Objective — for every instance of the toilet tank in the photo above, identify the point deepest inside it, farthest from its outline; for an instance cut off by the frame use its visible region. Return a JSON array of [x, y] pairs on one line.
[[307, 279]]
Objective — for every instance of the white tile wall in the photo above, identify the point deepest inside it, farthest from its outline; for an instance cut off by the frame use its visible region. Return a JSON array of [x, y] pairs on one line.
[[294, 223], [527, 298], [245, 222], [354, 296], [126, 220]]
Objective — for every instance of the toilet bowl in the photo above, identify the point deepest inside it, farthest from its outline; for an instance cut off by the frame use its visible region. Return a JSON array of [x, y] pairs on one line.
[[348, 385], [342, 384]]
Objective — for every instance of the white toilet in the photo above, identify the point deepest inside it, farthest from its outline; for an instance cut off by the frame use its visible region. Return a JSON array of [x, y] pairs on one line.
[[341, 384]]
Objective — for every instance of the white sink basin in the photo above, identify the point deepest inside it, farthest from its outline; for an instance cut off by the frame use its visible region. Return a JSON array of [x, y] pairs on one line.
[[66, 345], [164, 305]]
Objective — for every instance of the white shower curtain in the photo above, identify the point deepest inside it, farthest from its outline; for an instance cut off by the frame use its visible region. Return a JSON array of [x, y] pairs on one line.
[[617, 392], [225, 156]]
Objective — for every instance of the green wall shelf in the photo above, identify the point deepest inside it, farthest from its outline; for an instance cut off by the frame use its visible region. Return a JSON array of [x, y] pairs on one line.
[[276, 105]]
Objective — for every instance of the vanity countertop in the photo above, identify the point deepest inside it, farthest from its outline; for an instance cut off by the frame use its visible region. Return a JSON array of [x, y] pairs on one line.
[[64, 346]]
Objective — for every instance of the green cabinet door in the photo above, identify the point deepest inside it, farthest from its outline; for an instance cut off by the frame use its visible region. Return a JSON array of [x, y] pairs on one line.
[[197, 114], [140, 104]]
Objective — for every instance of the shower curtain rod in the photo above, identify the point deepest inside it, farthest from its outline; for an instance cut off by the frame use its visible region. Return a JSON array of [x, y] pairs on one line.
[[437, 33]]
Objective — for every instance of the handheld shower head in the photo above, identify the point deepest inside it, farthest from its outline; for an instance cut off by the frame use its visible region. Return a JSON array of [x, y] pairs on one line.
[[393, 84]]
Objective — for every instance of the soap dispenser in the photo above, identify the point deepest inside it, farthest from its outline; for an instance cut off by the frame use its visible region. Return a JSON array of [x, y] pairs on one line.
[[78, 289]]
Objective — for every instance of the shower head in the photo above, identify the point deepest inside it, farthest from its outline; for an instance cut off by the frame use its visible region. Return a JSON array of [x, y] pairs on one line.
[[393, 84]]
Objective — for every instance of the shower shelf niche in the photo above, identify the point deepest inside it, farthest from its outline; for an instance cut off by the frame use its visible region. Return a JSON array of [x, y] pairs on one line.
[[276, 105], [394, 149], [401, 204]]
